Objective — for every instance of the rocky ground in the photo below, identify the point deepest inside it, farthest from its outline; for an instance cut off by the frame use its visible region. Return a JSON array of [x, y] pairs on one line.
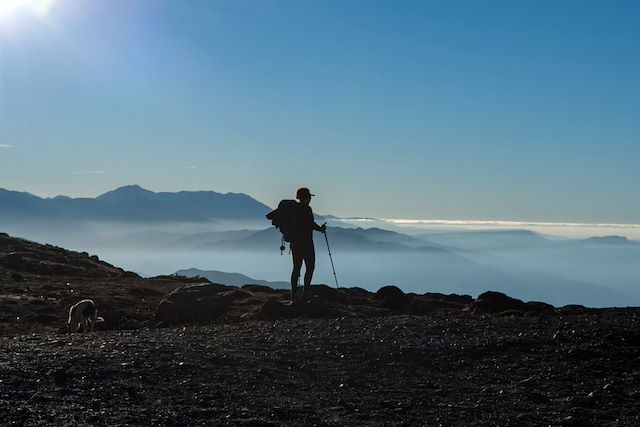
[[175, 351], [466, 369]]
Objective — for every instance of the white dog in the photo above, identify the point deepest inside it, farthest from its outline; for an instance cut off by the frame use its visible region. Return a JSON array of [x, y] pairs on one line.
[[83, 313]]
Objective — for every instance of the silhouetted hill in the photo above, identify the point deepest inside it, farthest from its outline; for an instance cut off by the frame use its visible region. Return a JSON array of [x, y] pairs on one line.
[[23, 257], [385, 236], [133, 204], [232, 279], [611, 240]]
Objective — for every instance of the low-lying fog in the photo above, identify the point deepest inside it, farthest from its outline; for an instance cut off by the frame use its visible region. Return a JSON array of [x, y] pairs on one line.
[[527, 265], [472, 274]]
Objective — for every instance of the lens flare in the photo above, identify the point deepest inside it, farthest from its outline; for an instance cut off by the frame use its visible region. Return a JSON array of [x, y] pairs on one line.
[[8, 6], [43, 7], [37, 7]]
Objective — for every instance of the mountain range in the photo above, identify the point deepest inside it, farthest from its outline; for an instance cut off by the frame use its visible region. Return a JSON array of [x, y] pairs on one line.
[[132, 203]]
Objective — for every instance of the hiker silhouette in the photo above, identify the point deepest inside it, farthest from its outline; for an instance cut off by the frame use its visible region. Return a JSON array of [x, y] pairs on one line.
[[302, 249]]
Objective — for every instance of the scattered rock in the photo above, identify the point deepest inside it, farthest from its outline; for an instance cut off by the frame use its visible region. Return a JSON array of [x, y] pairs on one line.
[[496, 302]]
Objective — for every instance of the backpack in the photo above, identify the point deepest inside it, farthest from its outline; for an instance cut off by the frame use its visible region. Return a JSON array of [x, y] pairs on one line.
[[285, 219]]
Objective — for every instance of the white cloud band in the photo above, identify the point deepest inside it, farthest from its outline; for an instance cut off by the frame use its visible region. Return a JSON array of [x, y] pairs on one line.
[[494, 223]]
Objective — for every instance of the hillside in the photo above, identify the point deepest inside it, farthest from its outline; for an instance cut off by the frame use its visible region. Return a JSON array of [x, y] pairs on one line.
[[38, 284], [178, 351]]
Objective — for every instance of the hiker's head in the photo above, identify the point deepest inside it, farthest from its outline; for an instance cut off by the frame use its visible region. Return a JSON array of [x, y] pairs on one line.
[[304, 195]]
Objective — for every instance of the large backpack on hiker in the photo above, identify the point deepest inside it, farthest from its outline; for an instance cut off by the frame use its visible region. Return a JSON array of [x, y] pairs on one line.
[[285, 219]]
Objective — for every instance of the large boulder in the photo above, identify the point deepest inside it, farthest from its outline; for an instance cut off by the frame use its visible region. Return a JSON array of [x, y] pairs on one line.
[[331, 295], [357, 296], [449, 299], [199, 302], [432, 302], [393, 298], [497, 302]]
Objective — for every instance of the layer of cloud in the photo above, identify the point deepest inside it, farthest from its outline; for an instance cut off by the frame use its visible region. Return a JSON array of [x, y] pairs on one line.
[[5, 146], [495, 223]]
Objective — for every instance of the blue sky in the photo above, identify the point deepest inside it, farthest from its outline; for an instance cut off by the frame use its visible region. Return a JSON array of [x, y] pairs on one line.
[[521, 111]]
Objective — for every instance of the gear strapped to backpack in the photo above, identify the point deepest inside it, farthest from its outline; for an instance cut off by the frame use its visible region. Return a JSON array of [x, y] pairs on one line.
[[285, 219]]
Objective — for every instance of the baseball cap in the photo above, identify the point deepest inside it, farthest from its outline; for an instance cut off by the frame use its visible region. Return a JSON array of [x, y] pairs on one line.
[[303, 192]]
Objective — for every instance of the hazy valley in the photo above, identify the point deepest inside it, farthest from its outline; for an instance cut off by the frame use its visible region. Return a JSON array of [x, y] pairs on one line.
[[162, 233]]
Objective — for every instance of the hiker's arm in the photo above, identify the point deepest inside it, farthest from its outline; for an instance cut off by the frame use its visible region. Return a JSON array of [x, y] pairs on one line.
[[313, 224]]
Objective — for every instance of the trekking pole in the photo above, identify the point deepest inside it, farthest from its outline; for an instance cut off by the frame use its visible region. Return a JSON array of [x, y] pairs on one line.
[[331, 258]]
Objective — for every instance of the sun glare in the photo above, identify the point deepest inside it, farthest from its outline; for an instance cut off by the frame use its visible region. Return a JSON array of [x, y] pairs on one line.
[[8, 6], [38, 7]]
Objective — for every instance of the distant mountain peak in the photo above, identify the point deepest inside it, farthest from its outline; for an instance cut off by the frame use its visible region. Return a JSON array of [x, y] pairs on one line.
[[133, 188], [126, 191], [610, 240]]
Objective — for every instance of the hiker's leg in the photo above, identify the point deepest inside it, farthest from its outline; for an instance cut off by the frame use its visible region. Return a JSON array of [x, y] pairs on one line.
[[297, 265], [310, 265]]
